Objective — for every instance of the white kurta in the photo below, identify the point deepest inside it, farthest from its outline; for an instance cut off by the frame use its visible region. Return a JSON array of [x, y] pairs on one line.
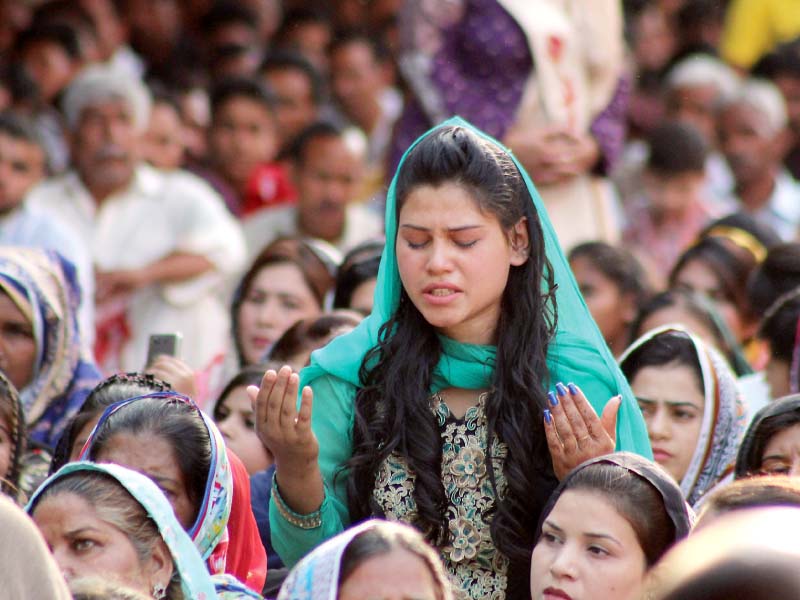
[[160, 213]]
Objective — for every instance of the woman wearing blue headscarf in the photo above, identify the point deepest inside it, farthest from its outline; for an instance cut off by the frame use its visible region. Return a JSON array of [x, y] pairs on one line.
[[41, 348], [435, 410]]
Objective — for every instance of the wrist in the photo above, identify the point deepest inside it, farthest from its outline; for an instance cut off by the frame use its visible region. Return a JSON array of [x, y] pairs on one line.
[[301, 490]]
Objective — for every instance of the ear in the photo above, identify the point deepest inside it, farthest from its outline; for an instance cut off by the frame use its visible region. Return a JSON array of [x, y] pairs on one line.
[[159, 566], [520, 242]]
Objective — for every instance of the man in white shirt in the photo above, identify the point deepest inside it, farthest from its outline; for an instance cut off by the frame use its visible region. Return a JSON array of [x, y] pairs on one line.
[[328, 170], [162, 242]]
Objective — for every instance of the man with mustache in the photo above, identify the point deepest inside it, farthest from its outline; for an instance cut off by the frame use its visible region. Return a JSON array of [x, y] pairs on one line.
[[328, 173], [162, 242], [753, 136]]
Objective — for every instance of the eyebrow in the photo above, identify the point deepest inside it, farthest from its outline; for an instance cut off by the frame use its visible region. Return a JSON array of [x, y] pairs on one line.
[[773, 457], [450, 229], [669, 402], [162, 480], [588, 534], [80, 530]]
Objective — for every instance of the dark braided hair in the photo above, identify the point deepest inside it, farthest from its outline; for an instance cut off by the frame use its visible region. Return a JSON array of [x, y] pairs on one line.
[[109, 391], [393, 409], [12, 414]]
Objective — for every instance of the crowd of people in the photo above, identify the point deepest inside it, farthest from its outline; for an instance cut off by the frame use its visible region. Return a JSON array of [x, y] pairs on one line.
[[398, 299]]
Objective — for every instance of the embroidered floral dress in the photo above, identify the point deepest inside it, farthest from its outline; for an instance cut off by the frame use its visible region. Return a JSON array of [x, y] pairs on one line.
[[477, 569]]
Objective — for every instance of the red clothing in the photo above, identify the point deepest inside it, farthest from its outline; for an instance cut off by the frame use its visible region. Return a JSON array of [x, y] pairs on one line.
[[246, 559], [269, 186]]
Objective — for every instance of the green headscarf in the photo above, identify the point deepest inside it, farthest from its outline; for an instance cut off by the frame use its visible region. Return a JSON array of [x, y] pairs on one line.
[[578, 352]]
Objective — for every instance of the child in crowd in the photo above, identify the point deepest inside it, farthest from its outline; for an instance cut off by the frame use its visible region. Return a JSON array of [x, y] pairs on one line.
[[666, 219], [243, 146]]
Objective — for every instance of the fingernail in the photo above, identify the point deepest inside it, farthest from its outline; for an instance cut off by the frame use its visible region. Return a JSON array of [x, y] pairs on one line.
[[552, 398], [562, 391], [572, 389], [548, 418]]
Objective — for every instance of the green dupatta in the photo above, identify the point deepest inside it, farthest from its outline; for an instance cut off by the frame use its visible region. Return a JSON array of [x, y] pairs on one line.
[[578, 353]]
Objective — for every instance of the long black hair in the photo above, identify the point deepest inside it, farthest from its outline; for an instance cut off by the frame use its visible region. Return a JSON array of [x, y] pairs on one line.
[[393, 406]]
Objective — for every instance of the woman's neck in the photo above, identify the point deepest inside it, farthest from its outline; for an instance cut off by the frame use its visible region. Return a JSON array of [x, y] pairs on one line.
[[460, 400]]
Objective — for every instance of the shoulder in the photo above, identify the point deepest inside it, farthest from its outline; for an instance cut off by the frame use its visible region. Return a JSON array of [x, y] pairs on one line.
[[333, 386], [179, 185], [53, 189]]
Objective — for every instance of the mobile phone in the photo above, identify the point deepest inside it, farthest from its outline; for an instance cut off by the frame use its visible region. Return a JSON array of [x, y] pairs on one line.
[[163, 343]]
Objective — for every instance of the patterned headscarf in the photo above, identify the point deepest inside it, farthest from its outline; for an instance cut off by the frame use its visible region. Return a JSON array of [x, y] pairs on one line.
[[209, 531], [44, 287], [195, 579], [723, 416]]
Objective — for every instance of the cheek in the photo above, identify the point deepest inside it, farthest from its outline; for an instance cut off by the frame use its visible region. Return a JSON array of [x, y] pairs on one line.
[[540, 561], [185, 510], [687, 433], [247, 316], [408, 265], [622, 582]]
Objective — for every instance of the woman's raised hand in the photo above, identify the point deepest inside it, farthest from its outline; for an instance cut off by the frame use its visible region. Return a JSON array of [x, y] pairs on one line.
[[574, 431], [287, 434]]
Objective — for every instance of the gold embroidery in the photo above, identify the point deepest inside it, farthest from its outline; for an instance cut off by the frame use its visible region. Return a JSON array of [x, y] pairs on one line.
[[478, 570]]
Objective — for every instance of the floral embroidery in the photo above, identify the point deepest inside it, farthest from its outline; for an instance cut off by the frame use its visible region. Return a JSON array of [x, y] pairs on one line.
[[476, 567]]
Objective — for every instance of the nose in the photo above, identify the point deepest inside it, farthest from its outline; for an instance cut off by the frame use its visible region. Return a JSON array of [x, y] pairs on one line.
[[439, 259], [269, 314], [658, 426], [337, 191], [563, 564]]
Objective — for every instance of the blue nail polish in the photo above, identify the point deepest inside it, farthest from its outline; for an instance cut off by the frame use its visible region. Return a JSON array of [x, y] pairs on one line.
[[572, 389], [552, 398], [548, 417], [562, 391]]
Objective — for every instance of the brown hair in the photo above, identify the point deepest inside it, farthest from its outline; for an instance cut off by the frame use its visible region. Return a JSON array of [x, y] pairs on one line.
[[636, 500], [382, 538], [317, 274]]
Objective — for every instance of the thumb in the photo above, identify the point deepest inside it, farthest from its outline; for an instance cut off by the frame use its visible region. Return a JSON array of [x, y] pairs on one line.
[[609, 416]]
